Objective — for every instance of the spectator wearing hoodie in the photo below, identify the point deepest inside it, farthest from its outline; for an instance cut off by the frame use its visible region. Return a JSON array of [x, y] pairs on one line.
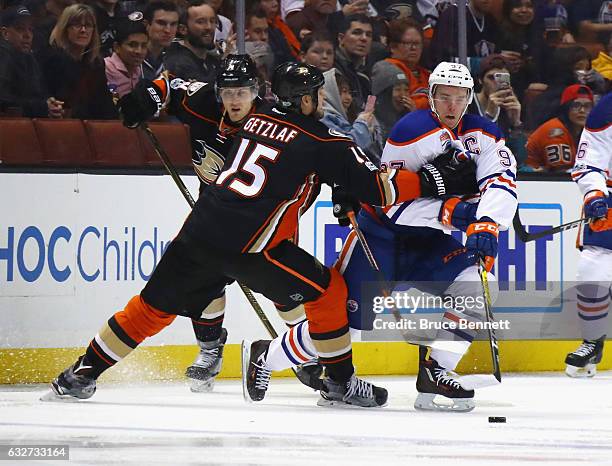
[[392, 90], [340, 114]]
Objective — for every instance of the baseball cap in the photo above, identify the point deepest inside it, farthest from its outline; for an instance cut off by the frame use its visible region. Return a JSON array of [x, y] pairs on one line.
[[14, 14], [576, 91]]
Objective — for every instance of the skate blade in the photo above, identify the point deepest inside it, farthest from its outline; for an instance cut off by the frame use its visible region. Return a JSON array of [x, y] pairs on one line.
[[325, 403], [245, 351], [587, 371], [426, 402], [53, 397], [474, 381], [201, 386]]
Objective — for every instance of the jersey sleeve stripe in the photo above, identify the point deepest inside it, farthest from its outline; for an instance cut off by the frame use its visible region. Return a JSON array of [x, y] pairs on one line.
[[498, 186]]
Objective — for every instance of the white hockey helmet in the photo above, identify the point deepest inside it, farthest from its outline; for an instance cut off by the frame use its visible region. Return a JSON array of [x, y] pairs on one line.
[[450, 74]]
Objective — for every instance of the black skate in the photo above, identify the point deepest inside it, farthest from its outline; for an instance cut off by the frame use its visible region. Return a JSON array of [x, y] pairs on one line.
[[73, 384], [354, 392], [583, 361], [434, 380], [310, 374], [207, 365], [255, 373]]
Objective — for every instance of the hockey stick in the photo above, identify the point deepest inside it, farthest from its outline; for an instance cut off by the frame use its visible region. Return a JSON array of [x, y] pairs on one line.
[[171, 169], [526, 237], [472, 381]]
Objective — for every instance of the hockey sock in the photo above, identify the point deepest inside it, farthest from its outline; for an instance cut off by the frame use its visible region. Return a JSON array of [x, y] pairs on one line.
[[594, 278], [208, 326], [329, 330], [123, 333], [593, 302], [291, 315], [290, 349]]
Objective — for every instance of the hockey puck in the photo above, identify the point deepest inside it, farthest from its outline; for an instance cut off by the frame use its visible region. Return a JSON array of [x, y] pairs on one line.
[[499, 419]]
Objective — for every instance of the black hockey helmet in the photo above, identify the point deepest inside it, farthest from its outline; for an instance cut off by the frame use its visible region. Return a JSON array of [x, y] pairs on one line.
[[293, 80], [237, 71]]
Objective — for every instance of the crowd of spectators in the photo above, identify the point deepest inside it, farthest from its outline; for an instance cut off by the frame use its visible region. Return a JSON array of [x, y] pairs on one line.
[[539, 65]]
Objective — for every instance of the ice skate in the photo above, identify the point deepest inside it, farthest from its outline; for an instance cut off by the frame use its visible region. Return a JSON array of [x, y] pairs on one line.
[[310, 374], [583, 361], [207, 365], [433, 380], [255, 373], [71, 385], [354, 392]]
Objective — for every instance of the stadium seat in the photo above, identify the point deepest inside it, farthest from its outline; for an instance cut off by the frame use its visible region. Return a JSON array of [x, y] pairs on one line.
[[173, 138], [19, 144], [64, 143], [113, 144]]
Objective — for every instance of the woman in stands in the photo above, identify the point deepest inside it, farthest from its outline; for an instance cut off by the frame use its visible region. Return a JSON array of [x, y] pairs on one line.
[[73, 69]]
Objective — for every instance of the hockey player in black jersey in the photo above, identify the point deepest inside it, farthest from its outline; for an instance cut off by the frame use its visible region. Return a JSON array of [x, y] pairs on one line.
[[214, 112], [242, 230]]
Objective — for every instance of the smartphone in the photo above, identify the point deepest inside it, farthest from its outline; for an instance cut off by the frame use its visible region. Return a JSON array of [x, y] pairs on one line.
[[502, 80], [370, 103]]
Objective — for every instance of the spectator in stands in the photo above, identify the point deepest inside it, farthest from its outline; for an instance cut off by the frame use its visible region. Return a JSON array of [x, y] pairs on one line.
[[52, 9], [21, 84], [497, 101], [406, 41], [282, 40], [73, 69], [481, 34], [224, 30], [320, 15], [257, 28], [591, 20], [288, 7], [106, 12], [551, 19], [195, 57], [392, 90], [341, 115], [354, 44], [161, 18], [603, 63], [317, 49], [124, 66], [568, 66], [519, 40], [263, 58], [552, 147]]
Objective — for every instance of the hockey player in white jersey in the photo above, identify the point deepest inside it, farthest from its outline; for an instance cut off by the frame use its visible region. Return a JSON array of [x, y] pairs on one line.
[[410, 242], [593, 173]]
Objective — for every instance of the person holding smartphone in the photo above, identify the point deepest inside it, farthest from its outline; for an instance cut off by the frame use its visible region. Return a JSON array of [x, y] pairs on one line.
[[497, 102]]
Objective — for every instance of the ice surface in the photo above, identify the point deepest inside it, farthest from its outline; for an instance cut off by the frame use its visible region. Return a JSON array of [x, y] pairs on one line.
[[550, 419]]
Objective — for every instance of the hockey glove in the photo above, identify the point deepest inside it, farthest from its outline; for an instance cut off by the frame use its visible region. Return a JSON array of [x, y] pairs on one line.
[[481, 241], [344, 203], [603, 224], [141, 104], [445, 176], [595, 205], [456, 213]]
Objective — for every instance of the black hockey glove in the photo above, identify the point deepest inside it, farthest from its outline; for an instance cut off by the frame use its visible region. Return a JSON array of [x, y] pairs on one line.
[[445, 176], [344, 202], [141, 104]]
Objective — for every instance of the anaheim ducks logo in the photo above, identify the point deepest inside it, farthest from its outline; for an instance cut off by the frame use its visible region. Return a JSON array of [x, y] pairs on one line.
[[207, 162]]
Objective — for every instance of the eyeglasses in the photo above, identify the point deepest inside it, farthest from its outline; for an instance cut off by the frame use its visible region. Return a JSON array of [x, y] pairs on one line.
[[587, 106], [412, 45], [460, 100], [78, 27]]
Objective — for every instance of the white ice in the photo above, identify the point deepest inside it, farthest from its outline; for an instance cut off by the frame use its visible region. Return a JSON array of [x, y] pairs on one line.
[[550, 419]]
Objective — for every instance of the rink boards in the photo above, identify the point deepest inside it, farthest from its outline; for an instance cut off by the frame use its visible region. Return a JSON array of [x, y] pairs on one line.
[[75, 247]]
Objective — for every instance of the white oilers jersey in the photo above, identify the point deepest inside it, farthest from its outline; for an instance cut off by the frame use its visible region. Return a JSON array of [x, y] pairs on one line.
[[418, 138], [593, 167]]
